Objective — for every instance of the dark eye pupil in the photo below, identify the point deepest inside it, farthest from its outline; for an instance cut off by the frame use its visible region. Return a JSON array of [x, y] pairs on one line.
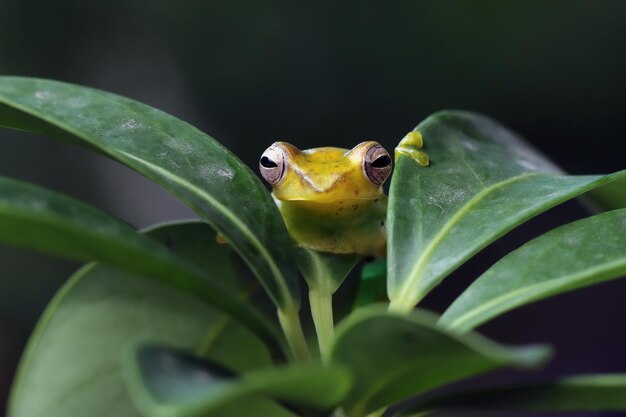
[[381, 162], [268, 163]]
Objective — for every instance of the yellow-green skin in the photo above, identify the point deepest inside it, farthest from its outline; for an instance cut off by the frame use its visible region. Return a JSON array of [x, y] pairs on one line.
[[329, 204]]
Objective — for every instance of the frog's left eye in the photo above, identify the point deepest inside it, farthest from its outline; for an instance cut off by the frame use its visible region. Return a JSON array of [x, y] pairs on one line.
[[377, 164], [272, 164]]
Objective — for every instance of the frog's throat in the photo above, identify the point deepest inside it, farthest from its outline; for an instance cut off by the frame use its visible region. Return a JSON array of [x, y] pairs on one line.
[[349, 226]]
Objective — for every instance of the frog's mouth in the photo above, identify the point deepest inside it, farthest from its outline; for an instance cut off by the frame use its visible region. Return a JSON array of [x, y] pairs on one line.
[[334, 202], [326, 200]]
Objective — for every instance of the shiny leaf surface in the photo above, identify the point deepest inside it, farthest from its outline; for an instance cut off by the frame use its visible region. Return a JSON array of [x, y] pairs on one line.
[[482, 182], [572, 256], [186, 162], [72, 367], [394, 357], [166, 382], [36, 218]]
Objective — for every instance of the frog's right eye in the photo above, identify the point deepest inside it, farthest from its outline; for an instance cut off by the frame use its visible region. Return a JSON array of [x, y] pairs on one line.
[[377, 164], [272, 164]]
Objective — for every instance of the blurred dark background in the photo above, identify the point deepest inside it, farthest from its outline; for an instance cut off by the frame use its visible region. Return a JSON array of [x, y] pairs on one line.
[[329, 73]]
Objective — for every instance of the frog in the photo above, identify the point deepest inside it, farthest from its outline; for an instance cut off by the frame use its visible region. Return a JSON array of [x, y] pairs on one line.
[[331, 198]]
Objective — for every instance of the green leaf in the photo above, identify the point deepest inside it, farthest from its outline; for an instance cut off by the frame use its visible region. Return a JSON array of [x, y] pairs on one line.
[[184, 161], [575, 255], [71, 366], [36, 218], [574, 394], [482, 182], [394, 357], [166, 382], [325, 271], [373, 283]]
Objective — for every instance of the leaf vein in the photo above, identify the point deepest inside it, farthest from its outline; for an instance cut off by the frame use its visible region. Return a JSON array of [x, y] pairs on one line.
[[406, 300], [228, 213], [548, 285]]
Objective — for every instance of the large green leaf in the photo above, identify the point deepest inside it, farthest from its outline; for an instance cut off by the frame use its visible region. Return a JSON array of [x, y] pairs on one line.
[[36, 218], [574, 394], [186, 162], [572, 256], [394, 357], [165, 383], [482, 181], [71, 366]]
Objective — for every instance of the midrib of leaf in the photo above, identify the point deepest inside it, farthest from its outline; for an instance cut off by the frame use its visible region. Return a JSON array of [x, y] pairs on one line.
[[406, 300], [385, 380], [209, 340], [86, 384], [382, 382], [212, 336], [229, 214], [181, 181], [550, 285]]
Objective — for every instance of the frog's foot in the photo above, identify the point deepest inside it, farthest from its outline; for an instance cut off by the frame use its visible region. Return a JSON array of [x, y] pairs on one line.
[[410, 146], [219, 238]]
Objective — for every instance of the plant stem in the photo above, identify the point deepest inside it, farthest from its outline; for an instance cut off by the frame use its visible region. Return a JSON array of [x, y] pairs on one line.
[[321, 301], [292, 328], [401, 307], [377, 413]]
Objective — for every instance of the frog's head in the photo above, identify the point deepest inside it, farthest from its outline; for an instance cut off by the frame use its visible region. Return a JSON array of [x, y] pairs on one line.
[[326, 175]]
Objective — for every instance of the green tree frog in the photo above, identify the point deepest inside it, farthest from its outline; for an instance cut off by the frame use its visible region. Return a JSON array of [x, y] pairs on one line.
[[331, 198]]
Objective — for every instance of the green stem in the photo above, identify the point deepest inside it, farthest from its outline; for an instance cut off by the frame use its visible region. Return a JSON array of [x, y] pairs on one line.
[[377, 413], [321, 301], [292, 328], [401, 307]]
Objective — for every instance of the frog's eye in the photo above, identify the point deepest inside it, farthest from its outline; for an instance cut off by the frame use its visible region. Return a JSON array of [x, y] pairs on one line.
[[272, 164], [377, 164]]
